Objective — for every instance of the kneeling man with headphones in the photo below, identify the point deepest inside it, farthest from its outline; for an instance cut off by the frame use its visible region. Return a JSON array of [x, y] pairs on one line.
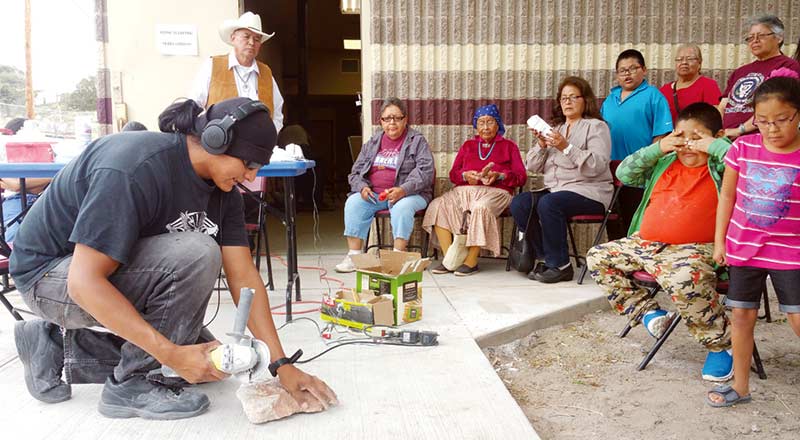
[[131, 236]]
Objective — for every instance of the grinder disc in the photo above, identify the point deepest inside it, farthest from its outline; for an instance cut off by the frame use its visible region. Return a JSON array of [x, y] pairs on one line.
[[260, 371]]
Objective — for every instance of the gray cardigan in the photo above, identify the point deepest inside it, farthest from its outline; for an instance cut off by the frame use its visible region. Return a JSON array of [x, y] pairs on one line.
[[415, 172], [585, 169]]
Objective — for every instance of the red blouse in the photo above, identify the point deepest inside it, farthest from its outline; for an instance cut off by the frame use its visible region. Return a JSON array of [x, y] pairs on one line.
[[504, 154]]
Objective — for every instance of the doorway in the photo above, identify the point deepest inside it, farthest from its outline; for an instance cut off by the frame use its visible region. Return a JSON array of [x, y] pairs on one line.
[[319, 80]]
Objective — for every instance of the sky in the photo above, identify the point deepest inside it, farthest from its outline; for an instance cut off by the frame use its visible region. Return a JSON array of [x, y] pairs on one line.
[[63, 44]]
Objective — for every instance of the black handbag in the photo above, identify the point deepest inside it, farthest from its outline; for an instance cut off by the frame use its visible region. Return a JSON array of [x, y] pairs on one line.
[[521, 252]]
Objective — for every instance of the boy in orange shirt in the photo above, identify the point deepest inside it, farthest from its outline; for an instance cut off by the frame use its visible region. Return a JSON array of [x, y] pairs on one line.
[[672, 235]]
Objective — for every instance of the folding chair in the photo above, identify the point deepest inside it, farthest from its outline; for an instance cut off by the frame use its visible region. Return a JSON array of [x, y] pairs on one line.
[[611, 214], [646, 281], [382, 216]]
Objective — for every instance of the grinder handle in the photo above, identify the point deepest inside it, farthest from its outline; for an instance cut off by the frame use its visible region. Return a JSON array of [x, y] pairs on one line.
[[243, 310]]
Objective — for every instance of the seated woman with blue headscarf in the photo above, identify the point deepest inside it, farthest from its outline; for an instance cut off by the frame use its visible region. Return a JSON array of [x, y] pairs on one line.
[[486, 171]]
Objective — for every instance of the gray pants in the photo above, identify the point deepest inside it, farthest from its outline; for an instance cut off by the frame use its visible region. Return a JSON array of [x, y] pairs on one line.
[[168, 279]]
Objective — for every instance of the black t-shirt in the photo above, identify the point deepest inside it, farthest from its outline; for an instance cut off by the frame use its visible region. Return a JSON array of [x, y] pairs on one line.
[[122, 188]]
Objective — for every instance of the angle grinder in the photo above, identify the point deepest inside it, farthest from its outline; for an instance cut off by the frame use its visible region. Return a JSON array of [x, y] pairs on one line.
[[247, 358]]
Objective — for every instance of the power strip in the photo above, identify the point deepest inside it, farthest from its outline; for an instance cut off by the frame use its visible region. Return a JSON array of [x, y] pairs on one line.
[[417, 337]]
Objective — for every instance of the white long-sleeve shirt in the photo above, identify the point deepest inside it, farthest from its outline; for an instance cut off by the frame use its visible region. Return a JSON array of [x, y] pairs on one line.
[[246, 85]]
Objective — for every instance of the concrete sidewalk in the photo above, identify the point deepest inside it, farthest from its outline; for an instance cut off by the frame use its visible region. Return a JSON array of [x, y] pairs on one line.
[[447, 391]]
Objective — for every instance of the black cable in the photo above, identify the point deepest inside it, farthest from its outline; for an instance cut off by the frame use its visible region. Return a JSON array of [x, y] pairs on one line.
[[359, 342], [216, 311], [319, 330]]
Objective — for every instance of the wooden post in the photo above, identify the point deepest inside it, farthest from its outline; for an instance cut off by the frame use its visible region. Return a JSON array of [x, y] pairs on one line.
[[29, 112]]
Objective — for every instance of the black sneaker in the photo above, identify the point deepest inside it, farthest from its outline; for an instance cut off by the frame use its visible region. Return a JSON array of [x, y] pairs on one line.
[[537, 270], [41, 351], [555, 275], [137, 397], [465, 271]]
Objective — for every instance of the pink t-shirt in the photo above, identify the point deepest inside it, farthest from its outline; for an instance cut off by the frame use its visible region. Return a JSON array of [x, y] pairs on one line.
[[704, 89], [765, 226], [384, 167]]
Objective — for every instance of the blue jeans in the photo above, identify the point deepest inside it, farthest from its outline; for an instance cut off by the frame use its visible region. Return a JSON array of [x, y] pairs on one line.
[[358, 215], [11, 209], [547, 229]]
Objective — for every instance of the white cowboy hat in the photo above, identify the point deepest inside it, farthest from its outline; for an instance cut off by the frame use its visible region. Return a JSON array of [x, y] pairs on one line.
[[249, 21]]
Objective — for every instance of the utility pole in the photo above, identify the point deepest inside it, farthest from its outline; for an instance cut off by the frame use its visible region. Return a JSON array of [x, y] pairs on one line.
[[28, 65]]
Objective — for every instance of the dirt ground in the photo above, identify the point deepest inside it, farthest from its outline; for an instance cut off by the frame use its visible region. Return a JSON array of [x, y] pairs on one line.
[[579, 381]]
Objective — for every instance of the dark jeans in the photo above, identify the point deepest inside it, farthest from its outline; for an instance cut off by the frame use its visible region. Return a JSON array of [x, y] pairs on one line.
[[547, 229], [629, 199], [168, 279]]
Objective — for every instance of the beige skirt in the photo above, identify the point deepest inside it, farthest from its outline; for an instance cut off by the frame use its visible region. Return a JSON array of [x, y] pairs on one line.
[[485, 204]]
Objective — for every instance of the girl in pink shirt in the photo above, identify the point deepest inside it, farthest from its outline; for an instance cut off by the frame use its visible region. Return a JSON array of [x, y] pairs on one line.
[[758, 222]]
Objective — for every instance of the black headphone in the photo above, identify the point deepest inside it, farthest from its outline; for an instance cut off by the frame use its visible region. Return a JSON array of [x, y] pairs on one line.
[[217, 134]]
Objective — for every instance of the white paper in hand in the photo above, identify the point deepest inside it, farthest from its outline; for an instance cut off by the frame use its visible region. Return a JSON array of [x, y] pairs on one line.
[[538, 124]]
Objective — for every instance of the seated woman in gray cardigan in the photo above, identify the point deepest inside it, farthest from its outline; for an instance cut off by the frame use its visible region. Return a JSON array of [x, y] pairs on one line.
[[394, 171], [574, 159]]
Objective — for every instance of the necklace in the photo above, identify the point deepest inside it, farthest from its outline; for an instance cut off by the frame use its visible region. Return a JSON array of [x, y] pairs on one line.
[[480, 156], [245, 84]]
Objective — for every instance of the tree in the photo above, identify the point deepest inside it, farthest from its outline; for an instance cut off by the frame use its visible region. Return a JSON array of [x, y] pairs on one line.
[[12, 85], [83, 98]]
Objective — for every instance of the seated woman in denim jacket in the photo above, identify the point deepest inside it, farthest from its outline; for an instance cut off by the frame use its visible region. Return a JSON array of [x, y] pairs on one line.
[[574, 159], [394, 171]]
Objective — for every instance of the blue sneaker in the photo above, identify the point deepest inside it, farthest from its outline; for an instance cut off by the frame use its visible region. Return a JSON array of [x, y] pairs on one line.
[[655, 321], [718, 366]]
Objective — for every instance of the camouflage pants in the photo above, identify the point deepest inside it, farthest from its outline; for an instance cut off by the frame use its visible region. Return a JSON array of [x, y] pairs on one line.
[[685, 272]]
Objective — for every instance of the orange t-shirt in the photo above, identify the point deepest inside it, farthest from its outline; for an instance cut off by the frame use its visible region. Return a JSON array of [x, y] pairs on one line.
[[682, 207]]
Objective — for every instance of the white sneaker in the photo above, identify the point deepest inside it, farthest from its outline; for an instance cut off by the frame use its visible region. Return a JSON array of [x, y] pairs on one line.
[[346, 266]]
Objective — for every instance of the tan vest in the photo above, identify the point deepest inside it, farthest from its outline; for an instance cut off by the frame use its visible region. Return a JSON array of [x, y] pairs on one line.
[[223, 83]]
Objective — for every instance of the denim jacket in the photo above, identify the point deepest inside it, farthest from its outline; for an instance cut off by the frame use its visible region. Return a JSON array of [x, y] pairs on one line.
[[415, 170]]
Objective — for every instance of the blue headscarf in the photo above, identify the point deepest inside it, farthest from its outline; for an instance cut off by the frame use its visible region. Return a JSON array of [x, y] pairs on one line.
[[492, 111]]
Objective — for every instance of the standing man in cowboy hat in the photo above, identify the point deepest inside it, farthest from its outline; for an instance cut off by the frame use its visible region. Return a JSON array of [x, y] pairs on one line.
[[239, 73]]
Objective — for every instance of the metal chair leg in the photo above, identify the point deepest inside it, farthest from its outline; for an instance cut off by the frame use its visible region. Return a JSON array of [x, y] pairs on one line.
[[513, 236], [625, 330], [582, 274], [270, 283], [674, 323], [759, 367], [574, 246], [379, 232], [765, 295], [425, 244], [10, 308]]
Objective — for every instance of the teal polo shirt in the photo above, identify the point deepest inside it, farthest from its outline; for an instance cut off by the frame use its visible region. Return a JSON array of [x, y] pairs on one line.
[[634, 122]]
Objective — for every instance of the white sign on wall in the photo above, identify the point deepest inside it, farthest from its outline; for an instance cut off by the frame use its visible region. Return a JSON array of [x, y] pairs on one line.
[[176, 39]]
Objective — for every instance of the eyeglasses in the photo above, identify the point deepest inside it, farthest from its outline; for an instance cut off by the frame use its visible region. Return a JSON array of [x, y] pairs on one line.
[[686, 59], [392, 118], [572, 99], [753, 37], [251, 165], [487, 123], [778, 123], [629, 71]]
